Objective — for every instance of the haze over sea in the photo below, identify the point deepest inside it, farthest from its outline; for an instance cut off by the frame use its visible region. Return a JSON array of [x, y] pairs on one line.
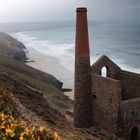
[[119, 41]]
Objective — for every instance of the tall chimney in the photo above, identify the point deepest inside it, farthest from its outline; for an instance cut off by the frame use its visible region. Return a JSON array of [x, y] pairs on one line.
[[82, 96]]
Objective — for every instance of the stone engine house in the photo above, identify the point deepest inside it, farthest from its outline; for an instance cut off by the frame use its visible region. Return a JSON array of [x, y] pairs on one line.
[[111, 102]]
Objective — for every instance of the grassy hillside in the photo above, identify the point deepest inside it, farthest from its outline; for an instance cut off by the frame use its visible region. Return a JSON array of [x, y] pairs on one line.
[[38, 92], [16, 75]]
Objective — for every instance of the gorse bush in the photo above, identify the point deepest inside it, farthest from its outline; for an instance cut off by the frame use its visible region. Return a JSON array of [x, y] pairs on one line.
[[12, 129]]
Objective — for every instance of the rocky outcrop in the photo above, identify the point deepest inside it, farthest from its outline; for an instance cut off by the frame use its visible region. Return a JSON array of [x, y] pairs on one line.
[[20, 56], [11, 47], [19, 44]]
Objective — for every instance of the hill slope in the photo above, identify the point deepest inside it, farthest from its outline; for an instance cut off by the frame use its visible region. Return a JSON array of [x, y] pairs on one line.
[[38, 92]]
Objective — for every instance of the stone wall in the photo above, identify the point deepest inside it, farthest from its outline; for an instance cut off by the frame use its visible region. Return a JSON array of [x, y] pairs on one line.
[[130, 83], [106, 94], [129, 115], [104, 61], [82, 97]]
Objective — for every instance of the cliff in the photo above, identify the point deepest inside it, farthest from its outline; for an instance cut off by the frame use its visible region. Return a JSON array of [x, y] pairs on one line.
[[14, 49], [11, 47], [35, 92]]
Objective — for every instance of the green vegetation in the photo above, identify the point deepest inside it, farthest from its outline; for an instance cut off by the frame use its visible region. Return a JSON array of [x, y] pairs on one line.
[[34, 80], [11, 129]]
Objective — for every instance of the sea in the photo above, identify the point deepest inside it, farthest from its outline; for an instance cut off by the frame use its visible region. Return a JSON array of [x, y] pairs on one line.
[[120, 41]]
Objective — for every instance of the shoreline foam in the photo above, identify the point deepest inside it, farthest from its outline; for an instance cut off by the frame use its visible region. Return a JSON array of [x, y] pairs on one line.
[[52, 66]]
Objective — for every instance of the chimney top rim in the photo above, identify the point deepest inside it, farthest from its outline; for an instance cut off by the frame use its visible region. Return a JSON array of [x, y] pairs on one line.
[[81, 9]]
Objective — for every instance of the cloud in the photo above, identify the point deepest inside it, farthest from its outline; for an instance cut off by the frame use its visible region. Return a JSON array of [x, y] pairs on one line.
[[44, 10]]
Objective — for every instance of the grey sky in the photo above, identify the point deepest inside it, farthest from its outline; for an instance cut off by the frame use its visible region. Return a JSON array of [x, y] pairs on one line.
[[46, 10]]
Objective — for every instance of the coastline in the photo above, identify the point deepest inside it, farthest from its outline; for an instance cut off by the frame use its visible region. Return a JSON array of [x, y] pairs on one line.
[[52, 66]]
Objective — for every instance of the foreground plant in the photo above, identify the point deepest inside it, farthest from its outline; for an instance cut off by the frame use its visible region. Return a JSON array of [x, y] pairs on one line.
[[11, 129]]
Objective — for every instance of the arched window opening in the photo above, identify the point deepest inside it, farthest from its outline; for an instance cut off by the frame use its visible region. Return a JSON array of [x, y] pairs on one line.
[[104, 72], [134, 133]]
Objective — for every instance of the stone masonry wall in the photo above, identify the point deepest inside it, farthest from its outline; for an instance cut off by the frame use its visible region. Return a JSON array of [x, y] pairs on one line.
[[82, 102], [129, 114], [112, 68], [130, 83], [106, 94]]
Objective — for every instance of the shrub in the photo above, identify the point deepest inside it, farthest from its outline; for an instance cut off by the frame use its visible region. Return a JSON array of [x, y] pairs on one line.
[[12, 129]]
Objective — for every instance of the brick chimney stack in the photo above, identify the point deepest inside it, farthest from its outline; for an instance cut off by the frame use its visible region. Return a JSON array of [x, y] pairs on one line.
[[82, 97]]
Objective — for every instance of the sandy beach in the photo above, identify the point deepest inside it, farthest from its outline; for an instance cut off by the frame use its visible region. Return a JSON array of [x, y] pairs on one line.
[[52, 66]]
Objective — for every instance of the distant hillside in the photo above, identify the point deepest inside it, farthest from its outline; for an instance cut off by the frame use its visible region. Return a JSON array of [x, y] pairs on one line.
[[12, 47]]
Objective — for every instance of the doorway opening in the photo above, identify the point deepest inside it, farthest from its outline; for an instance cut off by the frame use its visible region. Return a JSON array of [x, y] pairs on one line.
[[135, 133]]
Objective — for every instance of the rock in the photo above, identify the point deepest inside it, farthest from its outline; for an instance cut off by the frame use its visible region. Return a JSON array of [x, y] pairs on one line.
[[66, 90], [20, 56], [20, 45], [11, 47]]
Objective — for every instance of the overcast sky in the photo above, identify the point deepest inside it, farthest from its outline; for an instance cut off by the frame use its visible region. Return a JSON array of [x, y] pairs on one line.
[[47, 10]]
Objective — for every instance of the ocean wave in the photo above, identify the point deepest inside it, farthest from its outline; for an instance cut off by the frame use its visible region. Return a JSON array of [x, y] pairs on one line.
[[62, 51]]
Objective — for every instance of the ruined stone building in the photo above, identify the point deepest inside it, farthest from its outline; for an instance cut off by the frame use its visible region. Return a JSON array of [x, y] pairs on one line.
[[111, 102]]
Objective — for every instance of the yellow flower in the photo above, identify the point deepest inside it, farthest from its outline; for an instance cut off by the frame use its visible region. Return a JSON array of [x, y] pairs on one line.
[[56, 137], [27, 130], [9, 124], [3, 115], [12, 135], [8, 131], [2, 126], [32, 136], [13, 125], [2, 118], [41, 129], [21, 136]]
